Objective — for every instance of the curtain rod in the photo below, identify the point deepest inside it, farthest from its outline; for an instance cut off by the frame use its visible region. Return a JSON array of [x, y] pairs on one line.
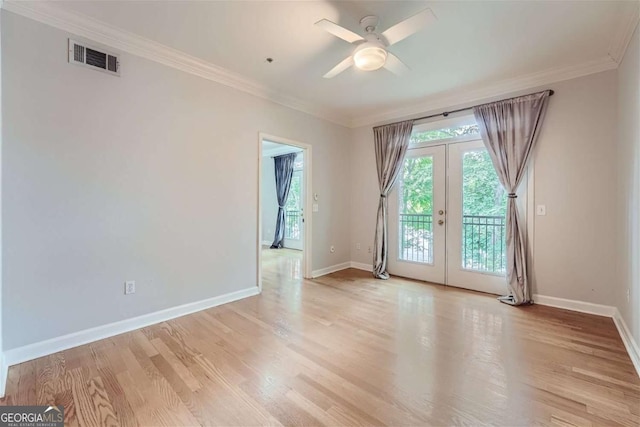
[[446, 113], [293, 152]]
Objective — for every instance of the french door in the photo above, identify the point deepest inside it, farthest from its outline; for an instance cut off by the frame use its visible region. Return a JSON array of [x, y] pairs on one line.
[[447, 218], [294, 213], [417, 229]]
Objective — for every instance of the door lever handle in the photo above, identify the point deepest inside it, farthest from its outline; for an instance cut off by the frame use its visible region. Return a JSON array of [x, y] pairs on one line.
[[440, 222]]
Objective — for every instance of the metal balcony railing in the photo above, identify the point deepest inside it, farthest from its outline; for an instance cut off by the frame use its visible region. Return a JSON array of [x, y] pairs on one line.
[[292, 224], [483, 241], [416, 238]]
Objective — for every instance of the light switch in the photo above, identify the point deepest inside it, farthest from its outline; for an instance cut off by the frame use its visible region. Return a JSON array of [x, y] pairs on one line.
[[315, 207], [541, 210]]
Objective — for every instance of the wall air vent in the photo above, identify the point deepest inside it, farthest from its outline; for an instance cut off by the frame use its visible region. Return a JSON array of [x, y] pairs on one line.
[[96, 58]]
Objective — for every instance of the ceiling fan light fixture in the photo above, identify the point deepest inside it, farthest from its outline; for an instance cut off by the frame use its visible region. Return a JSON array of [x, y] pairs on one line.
[[370, 57]]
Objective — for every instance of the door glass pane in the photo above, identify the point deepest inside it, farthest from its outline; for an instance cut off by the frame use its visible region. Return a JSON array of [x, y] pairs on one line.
[[415, 216], [484, 204], [444, 133], [292, 208]]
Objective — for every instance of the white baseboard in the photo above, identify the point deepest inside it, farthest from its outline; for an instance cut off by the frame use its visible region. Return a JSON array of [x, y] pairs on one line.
[[600, 310], [343, 266], [630, 344], [574, 305], [54, 345], [362, 266], [330, 269]]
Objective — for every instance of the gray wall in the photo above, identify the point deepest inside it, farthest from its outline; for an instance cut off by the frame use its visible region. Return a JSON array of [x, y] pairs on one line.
[[627, 214], [575, 177], [151, 177]]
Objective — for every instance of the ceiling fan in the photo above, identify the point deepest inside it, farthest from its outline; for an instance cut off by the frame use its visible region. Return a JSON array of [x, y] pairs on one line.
[[371, 50]]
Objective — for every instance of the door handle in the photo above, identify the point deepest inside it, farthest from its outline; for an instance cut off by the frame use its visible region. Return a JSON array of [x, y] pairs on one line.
[[440, 222]]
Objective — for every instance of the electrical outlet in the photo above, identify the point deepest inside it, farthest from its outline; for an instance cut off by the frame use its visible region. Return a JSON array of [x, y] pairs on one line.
[[628, 295], [541, 210], [369, 249], [332, 249], [129, 287], [358, 246]]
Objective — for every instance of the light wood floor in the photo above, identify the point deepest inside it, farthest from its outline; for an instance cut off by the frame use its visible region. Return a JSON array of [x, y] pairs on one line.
[[346, 349]]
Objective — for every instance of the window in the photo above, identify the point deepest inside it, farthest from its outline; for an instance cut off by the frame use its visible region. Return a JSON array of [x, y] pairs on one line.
[[459, 129], [293, 208]]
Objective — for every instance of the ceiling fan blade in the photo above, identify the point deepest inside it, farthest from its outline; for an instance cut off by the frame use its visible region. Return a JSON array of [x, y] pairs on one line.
[[338, 31], [394, 65], [348, 62], [409, 26]]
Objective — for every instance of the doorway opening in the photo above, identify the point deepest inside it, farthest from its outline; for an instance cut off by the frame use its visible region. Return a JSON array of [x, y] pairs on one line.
[[447, 221], [284, 238]]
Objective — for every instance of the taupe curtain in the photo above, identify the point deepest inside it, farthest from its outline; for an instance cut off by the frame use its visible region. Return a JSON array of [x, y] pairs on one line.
[[284, 173], [509, 130], [391, 143]]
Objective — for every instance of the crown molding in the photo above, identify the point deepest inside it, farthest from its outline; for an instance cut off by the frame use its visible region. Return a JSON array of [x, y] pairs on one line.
[[125, 41], [467, 95], [624, 32]]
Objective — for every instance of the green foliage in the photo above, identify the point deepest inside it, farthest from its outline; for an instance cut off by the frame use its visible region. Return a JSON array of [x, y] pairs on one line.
[[417, 185], [482, 192], [483, 196], [293, 201], [292, 208], [446, 133]]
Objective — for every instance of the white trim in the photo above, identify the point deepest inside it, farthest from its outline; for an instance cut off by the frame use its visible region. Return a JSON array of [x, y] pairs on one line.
[[307, 229], [330, 269], [125, 41], [600, 310], [483, 92], [54, 345], [622, 37], [574, 305], [259, 223], [278, 151], [630, 344], [362, 266]]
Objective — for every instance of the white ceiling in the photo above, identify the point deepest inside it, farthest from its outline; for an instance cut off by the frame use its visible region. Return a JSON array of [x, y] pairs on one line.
[[270, 148], [471, 44]]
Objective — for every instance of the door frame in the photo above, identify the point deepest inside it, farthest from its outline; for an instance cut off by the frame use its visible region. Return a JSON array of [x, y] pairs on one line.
[[298, 244], [526, 190], [413, 269], [308, 204], [475, 280]]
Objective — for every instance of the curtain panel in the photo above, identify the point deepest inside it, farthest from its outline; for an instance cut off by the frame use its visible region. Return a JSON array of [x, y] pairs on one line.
[[284, 173], [510, 129], [391, 144]]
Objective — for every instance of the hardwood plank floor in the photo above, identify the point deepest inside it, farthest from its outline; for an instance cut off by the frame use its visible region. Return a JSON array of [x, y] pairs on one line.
[[346, 349]]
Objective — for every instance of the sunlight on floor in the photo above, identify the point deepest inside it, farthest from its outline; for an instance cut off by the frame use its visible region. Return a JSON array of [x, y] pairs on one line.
[[284, 263]]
